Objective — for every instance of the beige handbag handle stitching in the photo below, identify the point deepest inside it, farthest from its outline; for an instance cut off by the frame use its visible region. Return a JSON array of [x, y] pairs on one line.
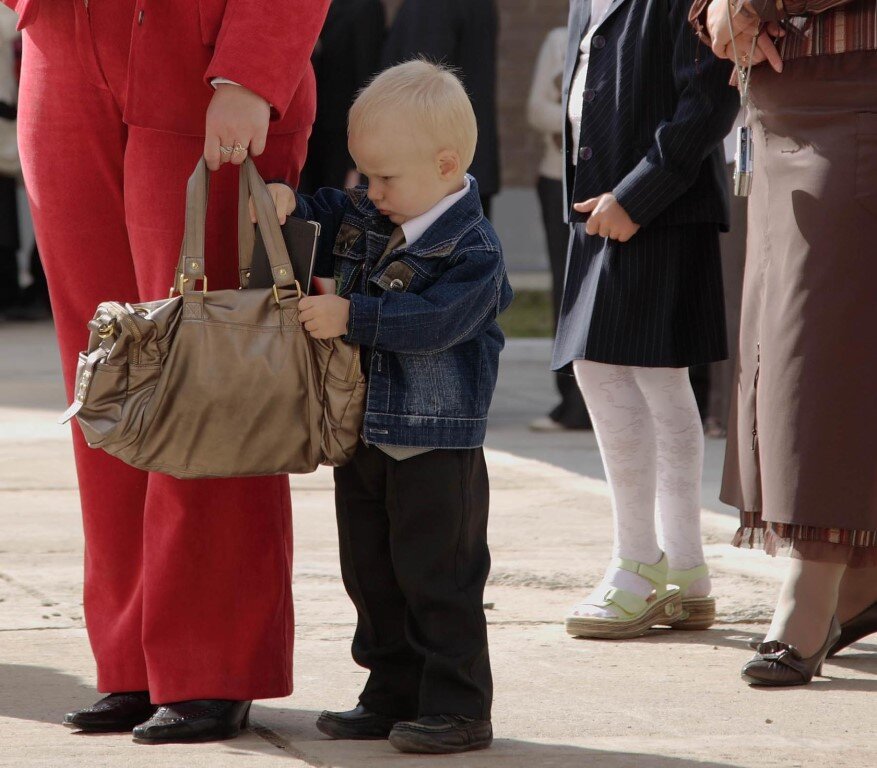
[[190, 267]]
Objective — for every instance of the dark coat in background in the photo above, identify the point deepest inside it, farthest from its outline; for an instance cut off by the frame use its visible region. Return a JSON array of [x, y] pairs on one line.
[[346, 57], [462, 34], [657, 106]]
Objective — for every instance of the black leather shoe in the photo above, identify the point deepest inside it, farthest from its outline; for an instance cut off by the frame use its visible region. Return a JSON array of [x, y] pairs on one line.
[[855, 629], [442, 734], [115, 713], [781, 664], [197, 720], [358, 723], [851, 631]]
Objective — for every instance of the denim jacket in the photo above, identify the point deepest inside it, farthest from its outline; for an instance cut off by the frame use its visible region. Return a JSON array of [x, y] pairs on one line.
[[425, 315]]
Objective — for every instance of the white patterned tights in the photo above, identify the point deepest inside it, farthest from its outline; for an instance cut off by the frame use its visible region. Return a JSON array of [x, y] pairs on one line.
[[651, 441]]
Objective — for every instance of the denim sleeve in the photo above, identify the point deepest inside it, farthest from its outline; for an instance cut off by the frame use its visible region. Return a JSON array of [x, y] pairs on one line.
[[454, 309], [327, 208]]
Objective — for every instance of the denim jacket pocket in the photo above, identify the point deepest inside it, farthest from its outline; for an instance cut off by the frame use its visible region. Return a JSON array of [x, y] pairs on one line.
[[396, 277], [348, 258]]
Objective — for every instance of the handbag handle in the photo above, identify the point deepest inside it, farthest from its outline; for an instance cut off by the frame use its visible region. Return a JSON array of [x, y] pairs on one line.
[[190, 267]]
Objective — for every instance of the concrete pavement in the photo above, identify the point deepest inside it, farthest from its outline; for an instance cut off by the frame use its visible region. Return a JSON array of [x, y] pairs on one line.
[[667, 700]]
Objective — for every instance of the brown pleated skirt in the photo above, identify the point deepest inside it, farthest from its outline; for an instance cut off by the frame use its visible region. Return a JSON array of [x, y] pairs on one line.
[[801, 463]]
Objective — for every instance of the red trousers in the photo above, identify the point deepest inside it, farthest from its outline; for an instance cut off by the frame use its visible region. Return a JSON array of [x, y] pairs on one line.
[[187, 583]]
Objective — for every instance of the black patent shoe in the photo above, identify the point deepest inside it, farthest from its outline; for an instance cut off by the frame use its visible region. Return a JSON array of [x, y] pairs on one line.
[[781, 664], [115, 713], [855, 629], [442, 735], [197, 720], [358, 724]]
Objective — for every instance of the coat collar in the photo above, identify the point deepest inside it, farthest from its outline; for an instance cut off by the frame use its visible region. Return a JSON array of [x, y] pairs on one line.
[[441, 238]]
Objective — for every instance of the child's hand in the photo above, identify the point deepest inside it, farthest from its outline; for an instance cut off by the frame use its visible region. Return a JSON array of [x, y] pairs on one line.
[[324, 317], [608, 218], [284, 202]]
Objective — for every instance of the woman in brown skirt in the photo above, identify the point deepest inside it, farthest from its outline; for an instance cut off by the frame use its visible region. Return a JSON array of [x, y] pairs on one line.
[[802, 454]]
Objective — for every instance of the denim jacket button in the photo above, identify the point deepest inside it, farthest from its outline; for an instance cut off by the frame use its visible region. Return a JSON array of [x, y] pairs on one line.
[[396, 285], [598, 41]]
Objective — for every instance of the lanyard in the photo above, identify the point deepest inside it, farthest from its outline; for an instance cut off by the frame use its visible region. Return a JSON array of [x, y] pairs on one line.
[[744, 155]]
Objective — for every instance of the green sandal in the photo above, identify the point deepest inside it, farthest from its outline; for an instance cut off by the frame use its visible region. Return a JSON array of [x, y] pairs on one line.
[[634, 615], [698, 612]]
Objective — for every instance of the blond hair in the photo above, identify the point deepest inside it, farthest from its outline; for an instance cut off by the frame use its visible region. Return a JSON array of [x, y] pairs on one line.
[[430, 96]]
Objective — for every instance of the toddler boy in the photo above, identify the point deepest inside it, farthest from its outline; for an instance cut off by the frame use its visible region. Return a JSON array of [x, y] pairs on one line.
[[420, 281]]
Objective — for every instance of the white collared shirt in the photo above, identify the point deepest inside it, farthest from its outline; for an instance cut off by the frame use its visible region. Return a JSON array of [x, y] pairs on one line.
[[416, 227]]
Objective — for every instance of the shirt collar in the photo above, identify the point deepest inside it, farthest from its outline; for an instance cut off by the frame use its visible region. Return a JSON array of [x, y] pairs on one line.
[[415, 228]]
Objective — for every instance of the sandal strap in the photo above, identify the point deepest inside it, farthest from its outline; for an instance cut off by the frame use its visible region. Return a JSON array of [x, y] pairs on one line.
[[684, 579], [630, 603], [655, 574]]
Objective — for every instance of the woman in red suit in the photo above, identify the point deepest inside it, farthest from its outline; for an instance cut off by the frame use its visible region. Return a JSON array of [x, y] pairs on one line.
[[188, 597]]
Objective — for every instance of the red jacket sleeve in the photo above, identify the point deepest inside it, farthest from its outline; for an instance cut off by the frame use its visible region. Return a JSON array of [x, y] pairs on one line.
[[266, 46]]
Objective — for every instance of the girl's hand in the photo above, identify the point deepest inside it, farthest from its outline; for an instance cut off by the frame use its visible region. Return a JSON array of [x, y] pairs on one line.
[[608, 218], [284, 202]]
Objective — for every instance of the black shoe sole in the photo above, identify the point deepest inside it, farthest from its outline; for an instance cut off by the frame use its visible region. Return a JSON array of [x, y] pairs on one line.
[[416, 743], [118, 728], [343, 732]]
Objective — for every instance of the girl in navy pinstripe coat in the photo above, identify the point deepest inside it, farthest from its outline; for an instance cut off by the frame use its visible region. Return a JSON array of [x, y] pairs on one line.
[[647, 107]]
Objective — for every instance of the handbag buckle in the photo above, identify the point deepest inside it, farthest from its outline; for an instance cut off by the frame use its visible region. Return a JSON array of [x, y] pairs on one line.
[[277, 295], [181, 284]]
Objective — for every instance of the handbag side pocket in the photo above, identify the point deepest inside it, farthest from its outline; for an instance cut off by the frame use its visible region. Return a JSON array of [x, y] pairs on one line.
[[101, 391], [342, 394]]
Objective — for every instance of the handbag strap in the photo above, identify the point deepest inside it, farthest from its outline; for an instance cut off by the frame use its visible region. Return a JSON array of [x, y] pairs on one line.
[[190, 267]]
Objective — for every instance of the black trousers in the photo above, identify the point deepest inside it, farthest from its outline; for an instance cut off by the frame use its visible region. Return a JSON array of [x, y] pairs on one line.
[[414, 559], [571, 410]]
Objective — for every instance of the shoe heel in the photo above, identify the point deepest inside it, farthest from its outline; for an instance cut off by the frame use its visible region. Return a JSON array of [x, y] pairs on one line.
[[698, 613], [818, 672], [245, 723]]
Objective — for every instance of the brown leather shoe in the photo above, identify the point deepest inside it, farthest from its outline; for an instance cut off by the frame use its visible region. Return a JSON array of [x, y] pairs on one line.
[[115, 713], [780, 664], [358, 724], [442, 734]]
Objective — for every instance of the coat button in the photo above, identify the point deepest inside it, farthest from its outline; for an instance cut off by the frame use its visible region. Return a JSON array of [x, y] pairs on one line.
[[396, 284], [590, 95], [586, 153], [598, 41], [140, 18]]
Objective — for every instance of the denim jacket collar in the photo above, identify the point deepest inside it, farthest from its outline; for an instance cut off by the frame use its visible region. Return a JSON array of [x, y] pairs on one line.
[[442, 237]]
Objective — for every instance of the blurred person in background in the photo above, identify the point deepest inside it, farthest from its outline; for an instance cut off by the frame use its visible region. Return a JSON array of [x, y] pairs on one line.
[[545, 114], [347, 55], [463, 35], [10, 167]]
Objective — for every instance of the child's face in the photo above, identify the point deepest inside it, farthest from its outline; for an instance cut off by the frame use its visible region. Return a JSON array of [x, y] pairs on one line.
[[405, 180]]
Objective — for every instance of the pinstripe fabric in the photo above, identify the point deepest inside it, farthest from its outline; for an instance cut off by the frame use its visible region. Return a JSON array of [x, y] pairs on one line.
[[657, 106], [655, 301]]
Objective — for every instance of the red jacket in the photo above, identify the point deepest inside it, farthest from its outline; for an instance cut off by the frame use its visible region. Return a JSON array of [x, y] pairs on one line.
[[177, 47]]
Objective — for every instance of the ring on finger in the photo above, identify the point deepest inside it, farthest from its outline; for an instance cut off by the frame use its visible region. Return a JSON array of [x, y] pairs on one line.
[[226, 150], [238, 147]]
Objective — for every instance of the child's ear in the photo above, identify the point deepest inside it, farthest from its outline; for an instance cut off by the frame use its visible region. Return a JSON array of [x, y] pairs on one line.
[[448, 164]]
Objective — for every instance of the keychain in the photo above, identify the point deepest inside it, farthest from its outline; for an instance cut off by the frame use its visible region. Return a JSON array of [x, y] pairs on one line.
[[745, 149]]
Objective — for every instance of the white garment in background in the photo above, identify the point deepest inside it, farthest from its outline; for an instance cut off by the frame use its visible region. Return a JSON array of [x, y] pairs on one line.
[[545, 107], [577, 89]]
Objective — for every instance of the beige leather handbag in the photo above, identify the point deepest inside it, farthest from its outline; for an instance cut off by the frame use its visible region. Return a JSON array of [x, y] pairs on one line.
[[219, 383]]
